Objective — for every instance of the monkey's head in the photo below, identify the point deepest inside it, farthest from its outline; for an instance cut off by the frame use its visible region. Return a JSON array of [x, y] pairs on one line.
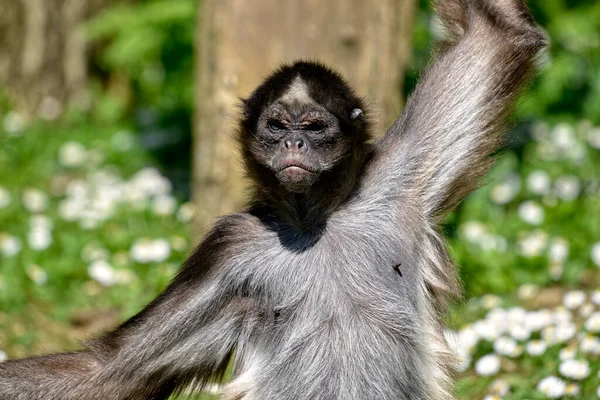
[[303, 126]]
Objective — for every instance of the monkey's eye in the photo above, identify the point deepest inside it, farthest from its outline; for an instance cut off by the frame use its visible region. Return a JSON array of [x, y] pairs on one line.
[[315, 127], [275, 126]]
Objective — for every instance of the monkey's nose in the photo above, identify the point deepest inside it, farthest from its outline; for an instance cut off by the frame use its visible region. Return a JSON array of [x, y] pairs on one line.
[[296, 144]]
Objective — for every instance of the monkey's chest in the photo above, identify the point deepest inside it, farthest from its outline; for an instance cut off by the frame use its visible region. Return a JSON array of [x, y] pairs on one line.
[[330, 310], [345, 274]]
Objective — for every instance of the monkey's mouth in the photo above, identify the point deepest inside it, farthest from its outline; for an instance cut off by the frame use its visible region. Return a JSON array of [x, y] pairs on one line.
[[296, 176], [294, 165]]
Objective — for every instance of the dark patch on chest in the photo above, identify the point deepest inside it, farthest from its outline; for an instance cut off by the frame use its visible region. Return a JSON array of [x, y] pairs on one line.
[[396, 268]]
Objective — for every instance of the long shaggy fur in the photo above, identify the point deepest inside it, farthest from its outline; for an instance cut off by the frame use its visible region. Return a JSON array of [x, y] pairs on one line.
[[338, 293]]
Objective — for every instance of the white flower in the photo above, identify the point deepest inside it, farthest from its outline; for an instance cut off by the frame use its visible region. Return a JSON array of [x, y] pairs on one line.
[[534, 244], [593, 138], [488, 330], [538, 182], [164, 205], [574, 299], [41, 222], [37, 274], [186, 212], [3, 356], [103, 273], [488, 365], [39, 238], [5, 198], [595, 254], [70, 209], [499, 388], [506, 191], [552, 387], [586, 310], [563, 136], [568, 353], [489, 242], [527, 291], [592, 324], [489, 301], [560, 333], [507, 347], [562, 315], [531, 213], [161, 250], [517, 315], [150, 182], [35, 200], [491, 397], [574, 369], [72, 155], [595, 297], [536, 348], [572, 389], [558, 250], [567, 187], [10, 245], [146, 250], [590, 345], [519, 330], [537, 320], [14, 123]]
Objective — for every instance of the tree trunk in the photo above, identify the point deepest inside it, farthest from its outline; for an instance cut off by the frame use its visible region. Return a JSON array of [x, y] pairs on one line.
[[239, 42], [43, 62]]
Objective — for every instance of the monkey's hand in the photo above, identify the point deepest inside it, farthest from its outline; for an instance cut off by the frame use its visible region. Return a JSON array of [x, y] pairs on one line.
[[453, 123]]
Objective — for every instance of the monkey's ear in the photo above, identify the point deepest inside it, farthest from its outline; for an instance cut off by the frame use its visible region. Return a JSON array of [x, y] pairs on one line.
[[357, 113]]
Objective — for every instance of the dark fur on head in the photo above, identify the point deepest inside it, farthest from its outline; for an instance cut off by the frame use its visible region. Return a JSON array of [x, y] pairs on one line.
[[329, 90]]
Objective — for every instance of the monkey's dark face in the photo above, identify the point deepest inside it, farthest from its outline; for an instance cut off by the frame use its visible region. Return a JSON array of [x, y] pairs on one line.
[[298, 139], [301, 123]]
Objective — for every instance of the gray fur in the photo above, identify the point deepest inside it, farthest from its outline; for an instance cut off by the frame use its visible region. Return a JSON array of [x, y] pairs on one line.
[[324, 314]]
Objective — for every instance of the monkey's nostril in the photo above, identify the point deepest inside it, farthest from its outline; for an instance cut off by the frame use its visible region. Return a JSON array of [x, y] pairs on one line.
[[299, 143]]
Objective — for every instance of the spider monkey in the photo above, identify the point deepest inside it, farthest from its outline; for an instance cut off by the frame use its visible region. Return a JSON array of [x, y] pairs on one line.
[[332, 283]]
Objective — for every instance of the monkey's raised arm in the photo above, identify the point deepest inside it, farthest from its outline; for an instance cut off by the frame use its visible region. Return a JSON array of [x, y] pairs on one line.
[[187, 333], [442, 144]]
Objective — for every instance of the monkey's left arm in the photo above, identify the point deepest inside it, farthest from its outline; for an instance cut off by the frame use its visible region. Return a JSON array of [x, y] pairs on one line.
[[186, 335], [444, 141]]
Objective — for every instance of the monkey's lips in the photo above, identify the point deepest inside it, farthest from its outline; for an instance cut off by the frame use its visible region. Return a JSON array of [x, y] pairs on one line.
[[296, 175]]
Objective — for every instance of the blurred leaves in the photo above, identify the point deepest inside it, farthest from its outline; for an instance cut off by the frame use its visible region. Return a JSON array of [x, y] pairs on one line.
[[152, 44]]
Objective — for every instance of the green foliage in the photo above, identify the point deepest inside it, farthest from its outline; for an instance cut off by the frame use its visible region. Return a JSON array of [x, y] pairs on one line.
[[539, 205], [63, 209], [151, 43]]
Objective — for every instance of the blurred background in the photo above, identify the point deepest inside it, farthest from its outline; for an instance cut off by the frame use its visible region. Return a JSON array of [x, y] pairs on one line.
[[116, 153]]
